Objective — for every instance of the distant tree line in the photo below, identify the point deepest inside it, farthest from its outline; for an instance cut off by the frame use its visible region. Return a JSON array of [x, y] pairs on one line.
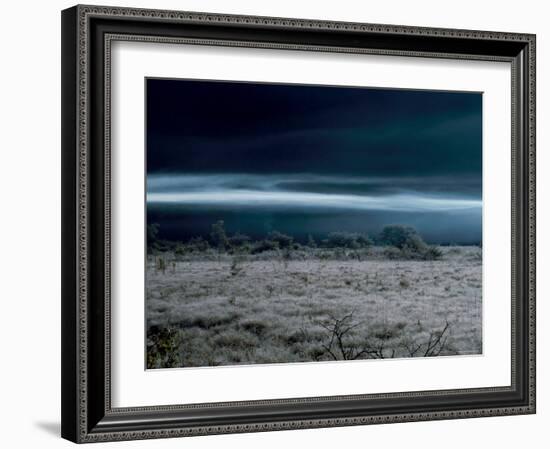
[[401, 241]]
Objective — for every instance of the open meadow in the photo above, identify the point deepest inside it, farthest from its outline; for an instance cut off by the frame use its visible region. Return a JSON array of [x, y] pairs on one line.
[[208, 309], [310, 222]]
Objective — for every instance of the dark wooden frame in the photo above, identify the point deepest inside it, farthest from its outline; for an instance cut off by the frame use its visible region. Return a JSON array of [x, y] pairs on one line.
[[87, 32]]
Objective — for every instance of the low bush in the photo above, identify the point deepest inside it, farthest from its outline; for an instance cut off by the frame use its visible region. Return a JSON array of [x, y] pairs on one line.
[[198, 244], [433, 253], [404, 242], [393, 253], [399, 236], [350, 240], [283, 240], [163, 348], [238, 240], [256, 327], [264, 245], [180, 249]]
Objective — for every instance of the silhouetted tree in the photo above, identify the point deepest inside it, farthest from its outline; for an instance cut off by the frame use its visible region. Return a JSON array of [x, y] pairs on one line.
[[284, 241], [218, 235], [152, 235], [401, 236], [311, 241]]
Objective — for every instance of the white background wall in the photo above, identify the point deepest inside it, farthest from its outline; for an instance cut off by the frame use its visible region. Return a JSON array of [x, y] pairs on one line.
[[30, 221]]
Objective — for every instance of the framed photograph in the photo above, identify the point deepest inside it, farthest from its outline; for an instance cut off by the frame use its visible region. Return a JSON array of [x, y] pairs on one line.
[[275, 223]]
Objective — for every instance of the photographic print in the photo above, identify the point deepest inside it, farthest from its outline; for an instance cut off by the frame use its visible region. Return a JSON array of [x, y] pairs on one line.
[[321, 197], [294, 223]]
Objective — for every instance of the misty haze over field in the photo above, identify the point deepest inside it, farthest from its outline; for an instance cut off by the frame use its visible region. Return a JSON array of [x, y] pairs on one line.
[[299, 205], [312, 160]]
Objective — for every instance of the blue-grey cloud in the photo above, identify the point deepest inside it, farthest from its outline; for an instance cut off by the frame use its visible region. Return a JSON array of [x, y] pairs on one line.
[[309, 191], [309, 182], [263, 199]]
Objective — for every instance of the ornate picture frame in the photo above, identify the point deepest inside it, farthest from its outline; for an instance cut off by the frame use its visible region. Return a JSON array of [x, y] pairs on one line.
[[88, 33]]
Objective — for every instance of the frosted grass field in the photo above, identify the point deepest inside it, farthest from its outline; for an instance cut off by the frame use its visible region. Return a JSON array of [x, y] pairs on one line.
[[222, 309]]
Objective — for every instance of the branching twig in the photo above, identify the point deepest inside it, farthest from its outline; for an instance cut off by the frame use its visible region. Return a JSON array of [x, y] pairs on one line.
[[337, 331], [435, 344]]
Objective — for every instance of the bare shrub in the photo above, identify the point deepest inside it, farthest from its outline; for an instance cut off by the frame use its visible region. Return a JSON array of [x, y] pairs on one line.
[[236, 267], [338, 329], [161, 264], [437, 343], [341, 346], [382, 344]]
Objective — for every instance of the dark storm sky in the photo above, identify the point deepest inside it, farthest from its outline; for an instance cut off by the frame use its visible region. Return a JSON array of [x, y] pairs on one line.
[[278, 155]]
